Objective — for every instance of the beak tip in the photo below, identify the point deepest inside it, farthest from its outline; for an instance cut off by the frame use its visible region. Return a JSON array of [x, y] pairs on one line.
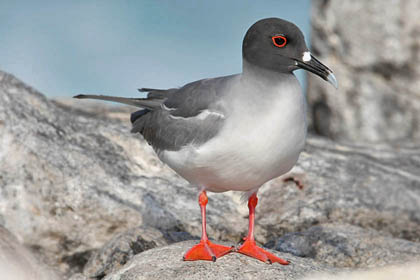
[[332, 80]]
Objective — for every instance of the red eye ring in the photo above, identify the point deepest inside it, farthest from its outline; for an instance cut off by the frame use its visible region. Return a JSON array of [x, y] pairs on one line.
[[279, 37]]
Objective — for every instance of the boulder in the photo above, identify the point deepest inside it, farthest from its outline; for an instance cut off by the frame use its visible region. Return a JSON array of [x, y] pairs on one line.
[[166, 263], [120, 249], [373, 48], [342, 245], [370, 186], [409, 271], [19, 263]]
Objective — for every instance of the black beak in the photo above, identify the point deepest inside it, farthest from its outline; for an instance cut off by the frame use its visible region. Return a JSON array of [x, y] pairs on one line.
[[315, 66]]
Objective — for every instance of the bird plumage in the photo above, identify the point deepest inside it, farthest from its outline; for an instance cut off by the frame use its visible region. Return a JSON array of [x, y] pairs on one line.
[[234, 132]]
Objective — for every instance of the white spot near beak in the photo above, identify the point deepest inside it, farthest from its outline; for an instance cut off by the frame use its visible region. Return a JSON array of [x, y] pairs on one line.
[[306, 56]]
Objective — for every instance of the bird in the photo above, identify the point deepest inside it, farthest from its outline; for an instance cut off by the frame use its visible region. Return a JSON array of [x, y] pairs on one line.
[[236, 132]]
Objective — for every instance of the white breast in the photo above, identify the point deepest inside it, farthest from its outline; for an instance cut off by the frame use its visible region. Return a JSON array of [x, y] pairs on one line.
[[261, 140]]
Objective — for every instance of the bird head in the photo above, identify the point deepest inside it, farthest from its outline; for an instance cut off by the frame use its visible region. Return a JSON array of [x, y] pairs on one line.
[[279, 45]]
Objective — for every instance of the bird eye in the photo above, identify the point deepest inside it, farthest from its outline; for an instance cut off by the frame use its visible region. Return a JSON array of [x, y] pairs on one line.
[[279, 41]]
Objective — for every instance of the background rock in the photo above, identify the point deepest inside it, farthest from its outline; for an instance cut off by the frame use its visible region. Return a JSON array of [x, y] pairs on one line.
[[78, 276], [409, 271], [166, 263], [347, 246], [376, 187], [374, 49], [18, 263], [124, 246]]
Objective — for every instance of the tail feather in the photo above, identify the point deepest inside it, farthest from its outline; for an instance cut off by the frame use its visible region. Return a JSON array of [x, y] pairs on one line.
[[150, 104], [155, 93]]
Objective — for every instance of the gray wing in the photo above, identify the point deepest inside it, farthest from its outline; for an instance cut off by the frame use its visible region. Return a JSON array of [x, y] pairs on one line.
[[178, 122]]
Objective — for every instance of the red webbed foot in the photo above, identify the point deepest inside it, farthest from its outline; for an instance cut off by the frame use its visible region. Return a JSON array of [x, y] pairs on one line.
[[250, 249], [207, 251]]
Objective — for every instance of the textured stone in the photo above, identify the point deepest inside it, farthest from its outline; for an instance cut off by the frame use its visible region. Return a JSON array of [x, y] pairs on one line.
[[409, 271], [124, 246], [78, 276], [18, 263], [347, 246], [374, 49], [375, 187], [166, 263]]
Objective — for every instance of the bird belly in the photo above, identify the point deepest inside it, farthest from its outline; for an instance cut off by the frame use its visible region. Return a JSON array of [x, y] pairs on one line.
[[247, 152]]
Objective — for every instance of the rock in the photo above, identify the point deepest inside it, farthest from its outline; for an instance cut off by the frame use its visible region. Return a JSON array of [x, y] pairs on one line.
[[408, 272], [124, 246], [347, 246], [376, 187], [70, 181], [18, 263], [374, 50], [166, 263], [78, 276]]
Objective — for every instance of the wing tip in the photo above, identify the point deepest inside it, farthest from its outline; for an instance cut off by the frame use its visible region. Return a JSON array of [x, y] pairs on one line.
[[151, 89], [80, 96]]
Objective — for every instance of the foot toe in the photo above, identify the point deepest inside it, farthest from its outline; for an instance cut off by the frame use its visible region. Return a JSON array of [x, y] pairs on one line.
[[207, 251], [250, 249]]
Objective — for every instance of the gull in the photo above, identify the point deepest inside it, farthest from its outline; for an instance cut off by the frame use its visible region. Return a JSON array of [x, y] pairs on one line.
[[237, 132]]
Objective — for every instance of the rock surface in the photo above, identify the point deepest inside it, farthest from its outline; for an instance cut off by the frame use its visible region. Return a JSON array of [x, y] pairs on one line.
[[347, 246], [124, 246], [166, 263], [374, 49], [375, 187], [407, 272], [18, 263]]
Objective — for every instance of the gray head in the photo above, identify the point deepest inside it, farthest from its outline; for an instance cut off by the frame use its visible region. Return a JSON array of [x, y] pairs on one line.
[[279, 45]]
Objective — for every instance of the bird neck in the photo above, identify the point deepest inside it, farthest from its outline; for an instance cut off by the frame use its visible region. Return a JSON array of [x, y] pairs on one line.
[[252, 72]]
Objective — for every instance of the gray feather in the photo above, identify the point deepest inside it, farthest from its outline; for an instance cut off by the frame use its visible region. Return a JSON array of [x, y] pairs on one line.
[[174, 125], [168, 121], [137, 102]]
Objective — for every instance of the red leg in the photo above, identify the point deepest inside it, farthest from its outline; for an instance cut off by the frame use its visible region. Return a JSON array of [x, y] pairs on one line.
[[205, 250], [249, 247]]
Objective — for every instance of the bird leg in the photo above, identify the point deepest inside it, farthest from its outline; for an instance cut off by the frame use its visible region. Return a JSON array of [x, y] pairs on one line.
[[249, 247], [205, 250]]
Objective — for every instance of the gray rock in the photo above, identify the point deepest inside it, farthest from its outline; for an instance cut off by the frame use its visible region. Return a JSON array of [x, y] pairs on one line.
[[124, 246], [409, 271], [375, 187], [373, 47], [348, 246], [78, 276], [295, 243], [70, 181], [18, 263], [166, 263]]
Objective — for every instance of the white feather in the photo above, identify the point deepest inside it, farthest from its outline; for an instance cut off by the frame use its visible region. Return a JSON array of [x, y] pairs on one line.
[[261, 139], [201, 116], [306, 56]]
